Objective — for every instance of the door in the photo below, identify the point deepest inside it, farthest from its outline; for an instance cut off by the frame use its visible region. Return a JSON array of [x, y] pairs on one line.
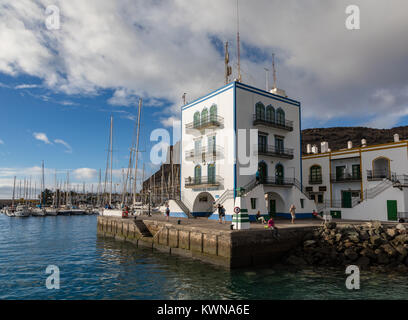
[[262, 143], [272, 207], [392, 210], [279, 174], [263, 172], [340, 171], [346, 199], [211, 173]]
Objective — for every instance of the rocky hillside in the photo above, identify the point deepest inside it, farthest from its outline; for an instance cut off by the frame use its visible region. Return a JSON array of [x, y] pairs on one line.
[[370, 245], [338, 136]]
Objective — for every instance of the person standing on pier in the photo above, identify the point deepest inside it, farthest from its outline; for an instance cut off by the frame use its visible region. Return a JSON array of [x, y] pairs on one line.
[[167, 213], [292, 213]]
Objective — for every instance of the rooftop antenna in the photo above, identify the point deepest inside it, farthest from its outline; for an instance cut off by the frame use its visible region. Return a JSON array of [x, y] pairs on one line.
[[228, 70], [266, 78], [274, 71], [184, 98], [238, 47]]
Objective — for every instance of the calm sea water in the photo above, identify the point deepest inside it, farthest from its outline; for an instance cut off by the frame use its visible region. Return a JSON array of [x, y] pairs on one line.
[[97, 268]]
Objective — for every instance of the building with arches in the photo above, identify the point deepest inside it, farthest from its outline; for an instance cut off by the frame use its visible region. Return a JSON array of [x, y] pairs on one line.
[[367, 182], [241, 137]]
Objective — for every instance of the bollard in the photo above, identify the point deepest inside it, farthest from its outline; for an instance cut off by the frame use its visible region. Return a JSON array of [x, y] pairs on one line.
[[178, 221]]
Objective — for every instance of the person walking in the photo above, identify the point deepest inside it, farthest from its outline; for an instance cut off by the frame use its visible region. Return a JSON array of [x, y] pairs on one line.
[[222, 214], [219, 212], [292, 213], [167, 213]]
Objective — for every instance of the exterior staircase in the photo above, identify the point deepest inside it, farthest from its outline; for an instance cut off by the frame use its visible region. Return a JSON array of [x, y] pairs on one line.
[[184, 207], [143, 230]]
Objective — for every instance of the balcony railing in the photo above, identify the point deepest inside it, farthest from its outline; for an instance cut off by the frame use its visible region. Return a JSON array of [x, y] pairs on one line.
[[280, 124], [273, 151], [379, 175], [205, 123], [346, 177], [206, 153], [203, 182], [315, 180], [277, 181]]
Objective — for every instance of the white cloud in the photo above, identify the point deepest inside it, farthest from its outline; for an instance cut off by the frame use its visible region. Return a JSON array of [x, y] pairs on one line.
[[41, 137], [161, 49], [65, 144], [1, 141], [26, 86], [85, 174]]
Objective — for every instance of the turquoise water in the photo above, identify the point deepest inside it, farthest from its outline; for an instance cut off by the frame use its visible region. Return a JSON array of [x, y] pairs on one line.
[[97, 268]]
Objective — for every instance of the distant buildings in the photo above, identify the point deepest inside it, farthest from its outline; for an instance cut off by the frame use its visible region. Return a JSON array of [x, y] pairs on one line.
[[366, 182]]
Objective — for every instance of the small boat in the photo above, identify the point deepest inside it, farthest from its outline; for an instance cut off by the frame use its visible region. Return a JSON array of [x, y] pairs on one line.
[[22, 211], [38, 212], [51, 211], [77, 212], [112, 212], [9, 211]]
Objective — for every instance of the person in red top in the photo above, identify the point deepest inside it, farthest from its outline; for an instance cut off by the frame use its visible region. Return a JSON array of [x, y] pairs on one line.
[[271, 225]]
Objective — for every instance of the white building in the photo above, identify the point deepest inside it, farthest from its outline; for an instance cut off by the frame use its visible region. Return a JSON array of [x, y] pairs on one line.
[[218, 155], [359, 183]]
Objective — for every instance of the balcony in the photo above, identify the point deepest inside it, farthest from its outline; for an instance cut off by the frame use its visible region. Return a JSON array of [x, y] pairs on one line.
[[268, 150], [346, 177], [203, 182], [373, 175], [277, 181], [280, 124], [210, 122], [315, 180], [204, 154]]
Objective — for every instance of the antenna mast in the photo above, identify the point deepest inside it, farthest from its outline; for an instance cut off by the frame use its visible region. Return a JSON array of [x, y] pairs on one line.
[[137, 151], [238, 47], [228, 70], [274, 71], [266, 78]]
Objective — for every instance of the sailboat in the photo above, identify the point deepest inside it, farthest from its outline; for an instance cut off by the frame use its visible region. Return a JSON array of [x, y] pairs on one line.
[[109, 210]]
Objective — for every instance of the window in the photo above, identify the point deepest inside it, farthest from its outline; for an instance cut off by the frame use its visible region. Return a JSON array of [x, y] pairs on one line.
[[197, 174], [213, 113], [381, 168], [279, 146], [211, 145], [204, 116], [197, 148], [302, 203], [270, 114], [253, 203], [340, 172], [197, 119], [260, 111], [320, 198], [262, 142], [356, 171], [280, 116], [315, 174], [211, 173]]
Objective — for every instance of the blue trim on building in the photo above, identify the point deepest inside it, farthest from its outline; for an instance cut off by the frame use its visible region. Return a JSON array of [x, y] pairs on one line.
[[267, 94], [201, 214], [178, 215], [208, 96]]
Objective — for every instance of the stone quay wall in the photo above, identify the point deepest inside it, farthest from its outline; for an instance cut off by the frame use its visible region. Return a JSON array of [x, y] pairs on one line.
[[230, 249]]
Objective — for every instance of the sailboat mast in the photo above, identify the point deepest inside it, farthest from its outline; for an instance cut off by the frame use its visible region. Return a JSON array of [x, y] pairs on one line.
[[137, 150], [111, 158], [14, 191], [43, 183]]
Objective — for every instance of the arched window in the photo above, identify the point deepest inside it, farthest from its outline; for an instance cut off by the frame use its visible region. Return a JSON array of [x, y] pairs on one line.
[[204, 116], [279, 174], [213, 113], [197, 174], [260, 111], [280, 116], [211, 173], [270, 114], [381, 168], [315, 174], [263, 171], [197, 119]]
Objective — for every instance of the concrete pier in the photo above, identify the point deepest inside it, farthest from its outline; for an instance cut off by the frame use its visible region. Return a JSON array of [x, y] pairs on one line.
[[206, 240]]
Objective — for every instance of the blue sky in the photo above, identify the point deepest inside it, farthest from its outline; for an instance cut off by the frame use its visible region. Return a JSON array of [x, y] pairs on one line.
[[59, 87]]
